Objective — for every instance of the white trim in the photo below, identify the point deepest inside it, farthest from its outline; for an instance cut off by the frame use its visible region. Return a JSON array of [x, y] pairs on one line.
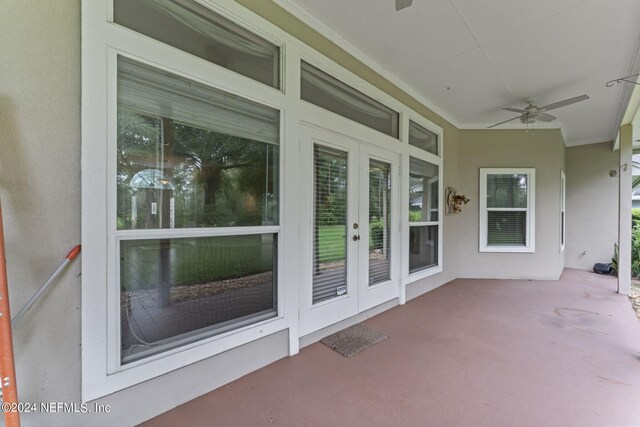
[[529, 247], [588, 141], [536, 125], [434, 159]]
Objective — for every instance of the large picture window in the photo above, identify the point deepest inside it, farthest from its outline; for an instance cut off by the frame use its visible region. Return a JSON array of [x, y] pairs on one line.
[[192, 157], [507, 210]]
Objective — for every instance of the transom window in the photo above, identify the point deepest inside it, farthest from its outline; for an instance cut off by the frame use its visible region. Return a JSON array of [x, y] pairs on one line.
[[423, 138], [507, 210], [194, 29], [323, 90]]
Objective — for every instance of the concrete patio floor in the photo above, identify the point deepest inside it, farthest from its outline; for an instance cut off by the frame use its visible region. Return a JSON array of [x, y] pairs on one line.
[[470, 353]]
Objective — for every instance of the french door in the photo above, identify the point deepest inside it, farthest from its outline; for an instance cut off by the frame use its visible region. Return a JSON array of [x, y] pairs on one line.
[[351, 254]]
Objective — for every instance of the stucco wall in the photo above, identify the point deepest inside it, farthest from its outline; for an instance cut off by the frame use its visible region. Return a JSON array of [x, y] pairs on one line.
[[543, 150], [592, 204], [40, 190]]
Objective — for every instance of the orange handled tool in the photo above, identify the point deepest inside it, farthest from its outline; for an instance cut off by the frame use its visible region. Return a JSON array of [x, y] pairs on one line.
[[7, 366], [70, 256]]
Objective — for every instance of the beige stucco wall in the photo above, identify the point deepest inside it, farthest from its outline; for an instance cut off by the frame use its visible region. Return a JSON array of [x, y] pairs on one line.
[[40, 190], [541, 149], [592, 202]]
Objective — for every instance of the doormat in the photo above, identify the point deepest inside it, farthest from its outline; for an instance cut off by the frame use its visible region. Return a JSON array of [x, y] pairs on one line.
[[354, 339]]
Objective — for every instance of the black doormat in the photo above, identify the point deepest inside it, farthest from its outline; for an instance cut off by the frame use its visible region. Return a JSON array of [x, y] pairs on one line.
[[354, 339]]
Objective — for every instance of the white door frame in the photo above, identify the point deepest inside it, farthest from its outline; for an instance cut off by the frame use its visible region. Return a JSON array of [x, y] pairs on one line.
[[359, 296]]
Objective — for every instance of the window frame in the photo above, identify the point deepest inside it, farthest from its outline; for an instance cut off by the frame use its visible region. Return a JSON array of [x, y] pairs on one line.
[[529, 247], [102, 370], [436, 160]]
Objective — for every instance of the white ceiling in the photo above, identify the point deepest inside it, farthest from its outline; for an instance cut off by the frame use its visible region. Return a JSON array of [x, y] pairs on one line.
[[470, 58]]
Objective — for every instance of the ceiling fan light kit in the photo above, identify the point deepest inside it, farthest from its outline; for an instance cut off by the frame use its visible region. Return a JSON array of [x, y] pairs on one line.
[[532, 113]]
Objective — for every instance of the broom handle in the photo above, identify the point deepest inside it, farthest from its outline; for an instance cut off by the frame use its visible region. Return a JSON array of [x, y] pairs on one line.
[[70, 256], [7, 365]]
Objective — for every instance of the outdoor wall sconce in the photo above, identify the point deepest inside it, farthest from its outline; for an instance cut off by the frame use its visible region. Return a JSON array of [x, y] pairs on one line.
[[455, 201]]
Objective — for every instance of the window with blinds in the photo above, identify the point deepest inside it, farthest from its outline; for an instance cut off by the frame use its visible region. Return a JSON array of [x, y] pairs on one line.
[[329, 223], [323, 90], [506, 204]]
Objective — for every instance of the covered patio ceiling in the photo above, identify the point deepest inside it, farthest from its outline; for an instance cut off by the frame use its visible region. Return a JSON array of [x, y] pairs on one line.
[[472, 352], [468, 59]]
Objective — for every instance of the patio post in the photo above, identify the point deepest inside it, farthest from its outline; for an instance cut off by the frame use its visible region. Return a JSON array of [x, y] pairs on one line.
[[624, 221]]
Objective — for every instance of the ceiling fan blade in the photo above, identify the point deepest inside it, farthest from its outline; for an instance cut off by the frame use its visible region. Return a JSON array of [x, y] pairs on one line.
[[544, 117], [515, 110], [506, 121], [401, 4], [564, 103]]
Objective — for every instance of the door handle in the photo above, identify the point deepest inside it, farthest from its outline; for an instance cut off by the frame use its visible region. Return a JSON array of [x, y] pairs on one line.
[[356, 237]]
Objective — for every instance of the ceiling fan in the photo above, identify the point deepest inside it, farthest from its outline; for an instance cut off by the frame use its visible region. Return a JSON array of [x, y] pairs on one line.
[[401, 4], [532, 113]]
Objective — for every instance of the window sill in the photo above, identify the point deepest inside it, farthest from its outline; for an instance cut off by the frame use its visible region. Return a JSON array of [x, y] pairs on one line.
[[423, 274], [507, 249], [98, 382]]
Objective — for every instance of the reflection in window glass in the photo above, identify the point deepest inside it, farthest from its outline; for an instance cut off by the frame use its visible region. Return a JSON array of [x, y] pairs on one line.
[[327, 92], [423, 138], [174, 291], [423, 191], [423, 247], [195, 29], [506, 191], [192, 156]]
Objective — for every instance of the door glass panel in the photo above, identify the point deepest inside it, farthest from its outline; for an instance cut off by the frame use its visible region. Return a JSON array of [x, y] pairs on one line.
[[329, 223], [379, 222]]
